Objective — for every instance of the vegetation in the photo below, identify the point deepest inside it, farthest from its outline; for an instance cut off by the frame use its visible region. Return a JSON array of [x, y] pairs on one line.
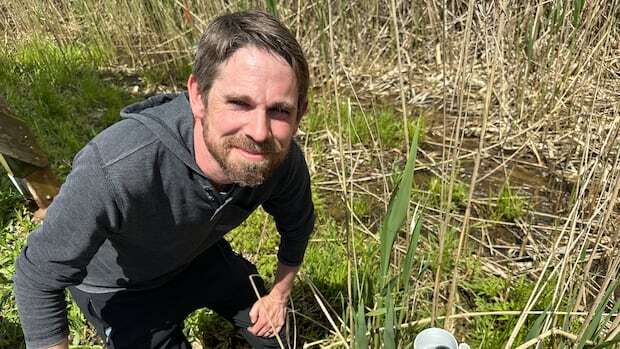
[[492, 216], [509, 206]]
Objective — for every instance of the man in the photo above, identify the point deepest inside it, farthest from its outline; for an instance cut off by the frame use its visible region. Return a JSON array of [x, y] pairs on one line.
[[135, 233]]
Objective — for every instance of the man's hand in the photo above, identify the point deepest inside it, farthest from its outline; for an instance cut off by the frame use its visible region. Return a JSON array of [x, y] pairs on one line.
[[268, 315]]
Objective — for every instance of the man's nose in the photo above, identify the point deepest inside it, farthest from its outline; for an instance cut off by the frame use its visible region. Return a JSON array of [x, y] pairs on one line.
[[258, 127]]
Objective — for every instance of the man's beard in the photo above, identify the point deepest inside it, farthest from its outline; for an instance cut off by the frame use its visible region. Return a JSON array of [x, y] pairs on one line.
[[241, 171]]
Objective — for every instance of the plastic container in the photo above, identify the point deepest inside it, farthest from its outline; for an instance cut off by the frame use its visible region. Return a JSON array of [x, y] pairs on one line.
[[437, 338]]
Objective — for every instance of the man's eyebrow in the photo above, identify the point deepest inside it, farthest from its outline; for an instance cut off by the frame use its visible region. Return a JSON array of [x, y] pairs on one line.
[[237, 97], [247, 99], [282, 106]]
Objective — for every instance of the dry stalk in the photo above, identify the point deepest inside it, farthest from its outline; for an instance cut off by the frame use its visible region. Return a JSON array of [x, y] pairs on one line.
[[329, 317], [343, 172], [401, 72], [540, 283], [551, 332], [465, 226], [456, 133]]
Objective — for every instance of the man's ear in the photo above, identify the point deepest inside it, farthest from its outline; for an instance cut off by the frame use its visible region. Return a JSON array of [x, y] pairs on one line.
[[195, 97]]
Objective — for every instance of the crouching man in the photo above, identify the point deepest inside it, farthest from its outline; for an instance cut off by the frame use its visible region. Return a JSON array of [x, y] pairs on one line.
[[136, 232]]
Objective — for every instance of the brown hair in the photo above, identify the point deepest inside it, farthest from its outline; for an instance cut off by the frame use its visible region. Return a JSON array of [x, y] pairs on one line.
[[230, 32]]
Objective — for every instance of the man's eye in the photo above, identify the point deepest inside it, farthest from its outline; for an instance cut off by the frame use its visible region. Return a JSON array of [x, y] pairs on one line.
[[238, 103], [281, 112]]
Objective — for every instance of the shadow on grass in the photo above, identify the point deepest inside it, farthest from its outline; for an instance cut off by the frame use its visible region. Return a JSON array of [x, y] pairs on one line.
[[11, 335]]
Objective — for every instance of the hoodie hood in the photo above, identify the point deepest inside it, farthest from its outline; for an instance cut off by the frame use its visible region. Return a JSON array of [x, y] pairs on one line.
[[170, 118]]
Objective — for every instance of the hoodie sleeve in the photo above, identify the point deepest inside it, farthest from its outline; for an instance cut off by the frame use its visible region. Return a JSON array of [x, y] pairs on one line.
[[56, 254], [292, 208]]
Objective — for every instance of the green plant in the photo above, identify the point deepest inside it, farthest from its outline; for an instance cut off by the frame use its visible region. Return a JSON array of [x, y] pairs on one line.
[[385, 287], [12, 238], [509, 205], [459, 194], [486, 292]]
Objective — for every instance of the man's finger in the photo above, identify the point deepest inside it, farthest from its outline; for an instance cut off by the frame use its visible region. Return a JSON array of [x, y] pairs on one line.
[[256, 328], [254, 313], [262, 328], [268, 330]]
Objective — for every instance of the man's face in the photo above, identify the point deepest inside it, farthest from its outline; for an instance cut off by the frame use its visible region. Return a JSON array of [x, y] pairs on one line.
[[250, 117]]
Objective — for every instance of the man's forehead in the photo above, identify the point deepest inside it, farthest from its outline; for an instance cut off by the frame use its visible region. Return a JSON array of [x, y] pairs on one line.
[[256, 61], [252, 71], [251, 54]]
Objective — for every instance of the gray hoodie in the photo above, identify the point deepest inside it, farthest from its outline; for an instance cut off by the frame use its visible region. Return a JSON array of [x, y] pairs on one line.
[[136, 210]]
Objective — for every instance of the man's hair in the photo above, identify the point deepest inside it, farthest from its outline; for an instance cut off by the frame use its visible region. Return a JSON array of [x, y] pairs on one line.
[[230, 32]]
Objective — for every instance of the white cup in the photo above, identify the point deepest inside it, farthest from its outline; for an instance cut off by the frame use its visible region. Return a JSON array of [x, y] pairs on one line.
[[437, 338]]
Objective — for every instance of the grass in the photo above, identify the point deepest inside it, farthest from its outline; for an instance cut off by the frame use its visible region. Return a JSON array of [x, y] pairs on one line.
[[459, 194], [14, 229], [492, 293], [382, 128], [528, 86], [509, 206], [61, 93]]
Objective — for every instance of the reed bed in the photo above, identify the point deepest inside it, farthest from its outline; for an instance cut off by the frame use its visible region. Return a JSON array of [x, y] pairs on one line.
[[514, 109]]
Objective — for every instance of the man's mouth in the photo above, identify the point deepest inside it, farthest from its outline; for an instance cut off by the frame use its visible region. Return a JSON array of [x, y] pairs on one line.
[[252, 154], [250, 150]]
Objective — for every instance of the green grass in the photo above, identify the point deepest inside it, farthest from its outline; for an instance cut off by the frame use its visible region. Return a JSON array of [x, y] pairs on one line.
[[381, 127], [509, 206], [212, 330], [61, 94], [15, 225], [459, 194], [486, 292]]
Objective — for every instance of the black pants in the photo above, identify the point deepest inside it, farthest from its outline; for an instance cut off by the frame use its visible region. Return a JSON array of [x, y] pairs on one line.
[[218, 279]]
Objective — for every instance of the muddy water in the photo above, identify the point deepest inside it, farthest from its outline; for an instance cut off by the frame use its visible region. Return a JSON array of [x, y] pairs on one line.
[[544, 195]]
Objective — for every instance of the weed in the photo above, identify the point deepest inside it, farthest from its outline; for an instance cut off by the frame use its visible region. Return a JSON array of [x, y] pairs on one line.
[[459, 194], [451, 243], [12, 238], [509, 206], [257, 238], [361, 207], [212, 330], [493, 293]]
